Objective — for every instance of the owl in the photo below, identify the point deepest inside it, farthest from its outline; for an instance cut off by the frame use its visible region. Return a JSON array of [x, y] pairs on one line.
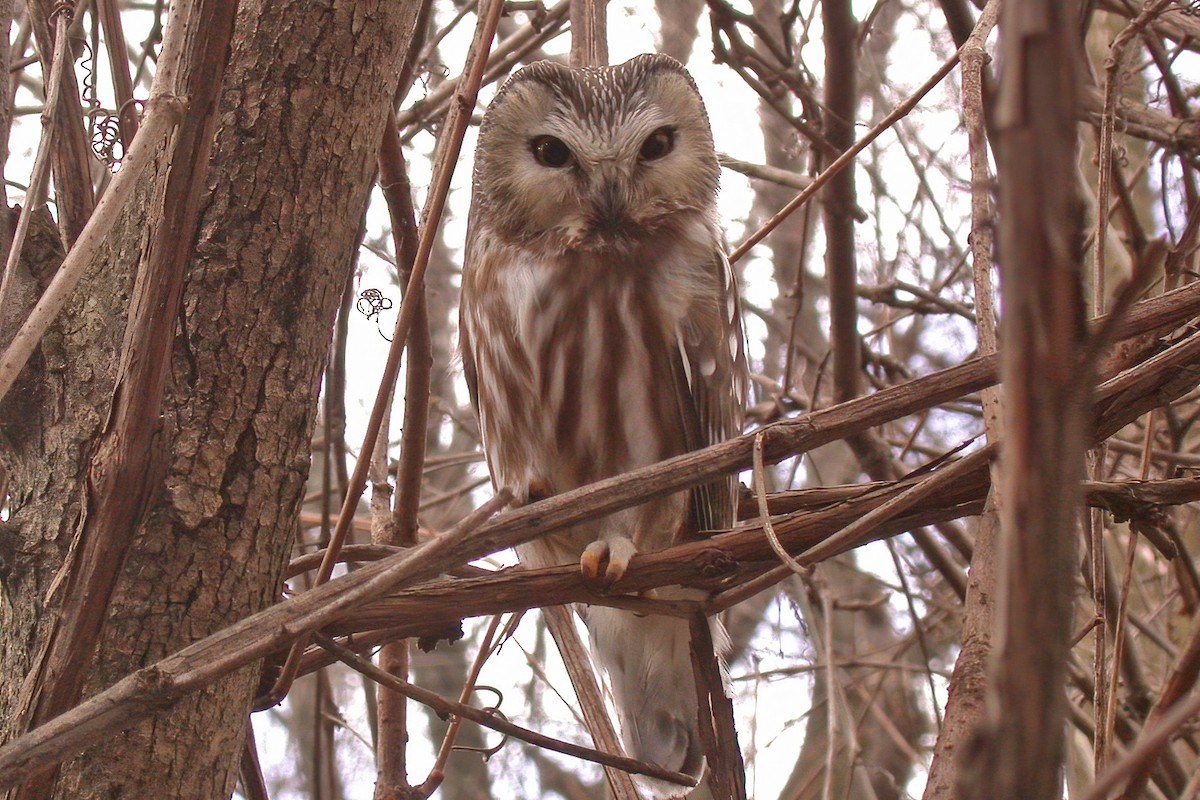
[[600, 333]]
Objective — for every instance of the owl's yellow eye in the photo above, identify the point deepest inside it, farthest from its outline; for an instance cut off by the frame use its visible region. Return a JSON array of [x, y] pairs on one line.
[[657, 144], [550, 152]]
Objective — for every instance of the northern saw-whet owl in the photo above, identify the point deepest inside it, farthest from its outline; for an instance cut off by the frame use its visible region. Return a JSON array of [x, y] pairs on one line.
[[600, 333]]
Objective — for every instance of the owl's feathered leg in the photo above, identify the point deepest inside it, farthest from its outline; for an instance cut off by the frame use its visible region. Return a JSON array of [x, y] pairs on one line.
[[648, 661]]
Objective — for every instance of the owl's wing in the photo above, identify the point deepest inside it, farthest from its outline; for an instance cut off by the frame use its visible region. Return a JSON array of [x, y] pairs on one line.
[[466, 293], [710, 384], [468, 357]]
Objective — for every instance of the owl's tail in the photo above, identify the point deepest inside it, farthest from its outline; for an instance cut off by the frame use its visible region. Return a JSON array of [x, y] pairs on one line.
[[649, 667]]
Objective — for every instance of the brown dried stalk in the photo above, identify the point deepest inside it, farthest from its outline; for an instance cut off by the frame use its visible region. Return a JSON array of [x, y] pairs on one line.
[[118, 64], [727, 772], [1149, 748], [839, 199], [1047, 393], [400, 525], [589, 33], [965, 706], [587, 691], [1182, 680], [35, 195]]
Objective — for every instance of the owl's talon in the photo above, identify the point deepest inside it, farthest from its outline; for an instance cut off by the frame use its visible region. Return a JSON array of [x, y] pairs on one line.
[[605, 560]]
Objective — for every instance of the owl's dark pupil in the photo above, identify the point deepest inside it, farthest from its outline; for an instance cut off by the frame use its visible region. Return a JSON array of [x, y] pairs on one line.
[[658, 144], [551, 152]]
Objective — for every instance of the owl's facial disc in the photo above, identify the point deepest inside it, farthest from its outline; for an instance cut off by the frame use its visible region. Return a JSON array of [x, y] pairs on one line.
[[603, 159], [618, 184]]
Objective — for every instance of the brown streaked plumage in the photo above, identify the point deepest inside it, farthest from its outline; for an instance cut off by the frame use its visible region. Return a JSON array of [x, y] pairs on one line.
[[600, 333]]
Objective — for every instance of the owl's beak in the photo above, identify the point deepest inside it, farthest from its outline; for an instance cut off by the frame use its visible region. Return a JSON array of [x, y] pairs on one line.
[[610, 205], [609, 202]]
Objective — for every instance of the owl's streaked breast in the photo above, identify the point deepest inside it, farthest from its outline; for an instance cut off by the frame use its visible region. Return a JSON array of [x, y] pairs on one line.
[[573, 359]]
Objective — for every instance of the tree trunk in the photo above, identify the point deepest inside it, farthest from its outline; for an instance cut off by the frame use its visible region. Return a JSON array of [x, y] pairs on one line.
[[302, 106], [1047, 383]]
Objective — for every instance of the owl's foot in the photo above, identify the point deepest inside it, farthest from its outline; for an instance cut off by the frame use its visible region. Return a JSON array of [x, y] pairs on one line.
[[605, 560]]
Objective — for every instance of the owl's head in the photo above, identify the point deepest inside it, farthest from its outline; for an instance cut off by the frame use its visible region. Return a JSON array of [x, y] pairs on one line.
[[596, 158]]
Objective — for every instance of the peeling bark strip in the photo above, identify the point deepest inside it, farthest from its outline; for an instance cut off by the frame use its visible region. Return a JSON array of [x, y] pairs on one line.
[[199, 470], [1046, 386]]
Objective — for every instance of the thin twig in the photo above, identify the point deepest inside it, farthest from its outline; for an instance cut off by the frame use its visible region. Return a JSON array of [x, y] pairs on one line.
[[489, 720], [397, 192], [1148, 747], [718, 732], [254, 786], [398, 525], [590, 700], [900, 111], [485, 651], [764, 513], [503, 56], [35, 195], [765, 172], [1114, 75], [905, 500], [1183, 677], [118, 65]]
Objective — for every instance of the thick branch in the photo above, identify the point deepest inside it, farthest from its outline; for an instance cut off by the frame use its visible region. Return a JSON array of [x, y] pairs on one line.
[[841, 264], [1045, 394], [804, 520]]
